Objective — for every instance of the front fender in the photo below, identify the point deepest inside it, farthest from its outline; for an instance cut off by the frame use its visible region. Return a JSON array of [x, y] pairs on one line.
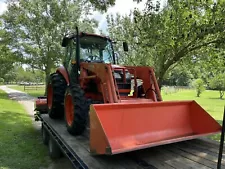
[[62, 71]]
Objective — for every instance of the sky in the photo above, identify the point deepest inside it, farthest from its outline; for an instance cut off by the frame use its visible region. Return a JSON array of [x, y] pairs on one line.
[[121, 6], [3, 6]]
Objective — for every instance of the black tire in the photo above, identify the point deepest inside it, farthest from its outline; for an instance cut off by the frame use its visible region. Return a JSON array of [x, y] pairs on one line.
[[45, 135], [79, 111], [53, 149], [58, 85]]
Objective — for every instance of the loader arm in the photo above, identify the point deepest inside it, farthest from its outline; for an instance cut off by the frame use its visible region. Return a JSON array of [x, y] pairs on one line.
[[102, 75]]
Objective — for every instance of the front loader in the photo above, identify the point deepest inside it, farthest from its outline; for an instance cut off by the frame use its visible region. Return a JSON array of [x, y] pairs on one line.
[[120, 105]]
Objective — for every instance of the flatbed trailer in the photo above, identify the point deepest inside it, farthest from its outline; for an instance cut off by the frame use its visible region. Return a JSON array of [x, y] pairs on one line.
[[197, 153]]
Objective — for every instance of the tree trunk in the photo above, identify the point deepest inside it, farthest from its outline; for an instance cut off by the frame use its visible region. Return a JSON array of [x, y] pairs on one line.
[[47, 73], [48, 68], [221, 94], [160, 79]]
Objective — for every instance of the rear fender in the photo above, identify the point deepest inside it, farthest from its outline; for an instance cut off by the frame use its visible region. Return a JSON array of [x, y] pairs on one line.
[[41, 104], [63, 72]]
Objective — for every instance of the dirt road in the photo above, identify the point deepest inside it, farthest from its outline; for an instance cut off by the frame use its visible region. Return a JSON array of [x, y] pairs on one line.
[[28, 103]]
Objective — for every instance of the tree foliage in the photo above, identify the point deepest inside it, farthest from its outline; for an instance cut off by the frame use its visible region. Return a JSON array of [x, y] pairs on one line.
[[1, 80], [165, 37], [29, 75], [178, 76], [7, 57], [36, 28], [102, 5], [218, 83], [199, 86]]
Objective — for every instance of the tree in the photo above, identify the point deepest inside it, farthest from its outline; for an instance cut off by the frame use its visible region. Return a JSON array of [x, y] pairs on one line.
[[1, 80], [178, 76], [199, 86], [10, 76], [218, 83], [7, 57], [36, 29], [6, 61], [102, 5], [165, 37]]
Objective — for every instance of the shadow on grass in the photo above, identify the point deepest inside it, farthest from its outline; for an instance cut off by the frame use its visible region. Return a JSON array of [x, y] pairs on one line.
[[35, 94], [216, 98], [21, 145], [20, 96]]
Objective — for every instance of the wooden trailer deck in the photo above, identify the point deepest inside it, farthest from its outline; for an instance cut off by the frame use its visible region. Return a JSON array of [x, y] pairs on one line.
[[198, 153]]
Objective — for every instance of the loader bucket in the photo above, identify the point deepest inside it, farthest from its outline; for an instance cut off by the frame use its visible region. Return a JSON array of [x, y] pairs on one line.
[[123, 127]]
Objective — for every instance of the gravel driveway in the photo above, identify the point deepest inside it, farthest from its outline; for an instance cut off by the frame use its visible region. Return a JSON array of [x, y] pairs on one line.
[[28, 102]]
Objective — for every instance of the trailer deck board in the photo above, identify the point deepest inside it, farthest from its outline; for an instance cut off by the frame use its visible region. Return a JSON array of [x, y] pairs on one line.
[[198, 153]]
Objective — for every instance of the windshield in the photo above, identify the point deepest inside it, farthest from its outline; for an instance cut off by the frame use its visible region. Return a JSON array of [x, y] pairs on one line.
[[93, 48]]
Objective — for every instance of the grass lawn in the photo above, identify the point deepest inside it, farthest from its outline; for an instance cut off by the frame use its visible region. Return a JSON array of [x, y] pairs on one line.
[[21, 146], [33, 92], [209, 100]]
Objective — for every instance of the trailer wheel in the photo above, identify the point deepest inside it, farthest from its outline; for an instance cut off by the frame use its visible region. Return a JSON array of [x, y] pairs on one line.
[[45, 135], [55, 95], [76, 110], [53, 148]]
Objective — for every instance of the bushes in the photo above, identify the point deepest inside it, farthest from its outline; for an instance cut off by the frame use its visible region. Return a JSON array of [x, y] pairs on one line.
[[218, 83], [1, 80], [198, 84]]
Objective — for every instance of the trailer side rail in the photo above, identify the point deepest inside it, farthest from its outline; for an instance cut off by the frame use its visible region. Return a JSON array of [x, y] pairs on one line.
[[66, 150]]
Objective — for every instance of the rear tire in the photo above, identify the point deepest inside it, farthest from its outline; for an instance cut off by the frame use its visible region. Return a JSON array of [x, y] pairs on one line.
[[55, 95], [76, 110]]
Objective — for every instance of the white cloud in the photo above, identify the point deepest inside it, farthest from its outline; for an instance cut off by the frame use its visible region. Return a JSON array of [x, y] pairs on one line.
[[3, 7], [122, 7]]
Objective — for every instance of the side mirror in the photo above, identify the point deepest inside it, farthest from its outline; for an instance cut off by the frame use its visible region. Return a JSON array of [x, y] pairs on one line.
[[125, 46], [65, 41]]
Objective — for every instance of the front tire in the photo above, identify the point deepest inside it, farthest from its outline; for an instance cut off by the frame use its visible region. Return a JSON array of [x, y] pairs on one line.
[[76, 110], [55, 95]]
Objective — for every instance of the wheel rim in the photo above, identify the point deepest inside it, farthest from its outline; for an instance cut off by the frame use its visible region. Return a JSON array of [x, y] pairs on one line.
[[69, 109], [50, 96]]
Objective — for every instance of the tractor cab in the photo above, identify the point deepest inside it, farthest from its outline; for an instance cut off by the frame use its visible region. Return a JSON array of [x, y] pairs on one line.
[[92, 48]]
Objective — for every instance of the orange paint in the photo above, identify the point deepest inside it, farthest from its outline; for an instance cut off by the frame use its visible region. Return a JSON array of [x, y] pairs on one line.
[[62, 71], [69, 109], [49, 96], [133, 126]]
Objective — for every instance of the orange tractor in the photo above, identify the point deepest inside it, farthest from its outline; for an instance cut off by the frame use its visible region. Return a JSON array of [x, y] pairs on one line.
[[92, 92]]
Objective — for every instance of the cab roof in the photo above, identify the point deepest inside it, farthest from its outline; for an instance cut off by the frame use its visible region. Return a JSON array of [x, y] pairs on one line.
[[67, 38]]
